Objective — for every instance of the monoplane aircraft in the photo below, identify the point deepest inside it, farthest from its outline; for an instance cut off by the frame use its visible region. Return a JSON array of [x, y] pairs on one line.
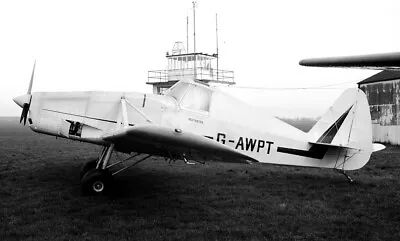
[[194, 121]]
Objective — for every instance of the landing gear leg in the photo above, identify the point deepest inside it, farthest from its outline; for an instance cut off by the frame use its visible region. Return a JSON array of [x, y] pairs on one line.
[[88, 166], [98, 180], [92, 164]]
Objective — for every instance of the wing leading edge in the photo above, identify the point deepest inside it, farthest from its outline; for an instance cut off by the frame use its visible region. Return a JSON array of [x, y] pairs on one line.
[[382, 61]]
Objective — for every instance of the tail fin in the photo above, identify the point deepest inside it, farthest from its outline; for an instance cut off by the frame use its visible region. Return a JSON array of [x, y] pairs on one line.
[[347, 124]]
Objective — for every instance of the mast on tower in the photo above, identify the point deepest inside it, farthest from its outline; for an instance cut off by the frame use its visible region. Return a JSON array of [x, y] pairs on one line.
[[195, 66]]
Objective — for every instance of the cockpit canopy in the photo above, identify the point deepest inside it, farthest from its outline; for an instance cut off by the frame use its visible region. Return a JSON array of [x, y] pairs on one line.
[[191, 95]]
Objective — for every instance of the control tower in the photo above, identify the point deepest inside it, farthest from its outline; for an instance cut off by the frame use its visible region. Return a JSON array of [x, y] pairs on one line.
[[188, 66], [183, 65]]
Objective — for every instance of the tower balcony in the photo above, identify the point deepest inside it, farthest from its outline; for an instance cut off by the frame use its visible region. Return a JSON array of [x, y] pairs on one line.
[[206, 75]]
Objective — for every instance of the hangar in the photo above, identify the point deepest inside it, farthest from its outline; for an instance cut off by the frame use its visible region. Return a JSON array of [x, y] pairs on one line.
[[383, 93]]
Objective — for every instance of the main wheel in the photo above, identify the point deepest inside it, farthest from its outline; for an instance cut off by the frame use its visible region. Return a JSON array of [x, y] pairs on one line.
[[96, 182], [88, 166]]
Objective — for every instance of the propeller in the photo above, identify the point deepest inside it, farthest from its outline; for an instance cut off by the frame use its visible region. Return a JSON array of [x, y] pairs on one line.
[[24, 113], [24, 101]]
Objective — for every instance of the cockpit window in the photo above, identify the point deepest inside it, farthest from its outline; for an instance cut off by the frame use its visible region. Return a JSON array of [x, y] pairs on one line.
[[178, 90], [196, 98], [191, 96]]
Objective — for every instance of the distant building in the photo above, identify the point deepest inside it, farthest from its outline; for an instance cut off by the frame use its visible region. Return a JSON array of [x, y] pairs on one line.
[[383, 93], [188, 66]]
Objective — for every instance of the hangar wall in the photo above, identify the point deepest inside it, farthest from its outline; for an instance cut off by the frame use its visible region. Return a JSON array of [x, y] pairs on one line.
[[384, 103]]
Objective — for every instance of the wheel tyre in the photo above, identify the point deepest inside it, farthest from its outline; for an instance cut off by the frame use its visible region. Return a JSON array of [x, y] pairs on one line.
[[96, 182], [88, 166]]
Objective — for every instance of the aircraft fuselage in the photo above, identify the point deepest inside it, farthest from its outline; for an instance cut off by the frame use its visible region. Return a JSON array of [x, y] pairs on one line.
[[88, 116]]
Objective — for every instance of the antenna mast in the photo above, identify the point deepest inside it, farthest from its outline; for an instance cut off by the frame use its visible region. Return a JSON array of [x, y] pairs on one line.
[[194, 39], [187, 33], [216, 34], [194, 26]]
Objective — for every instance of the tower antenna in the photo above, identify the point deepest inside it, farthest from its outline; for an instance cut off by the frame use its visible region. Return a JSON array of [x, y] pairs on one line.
[[194, 26], [194, 39], [187, 33], [216, 34]]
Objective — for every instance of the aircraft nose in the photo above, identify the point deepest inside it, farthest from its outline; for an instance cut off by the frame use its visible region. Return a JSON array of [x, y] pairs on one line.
[[22, 99]]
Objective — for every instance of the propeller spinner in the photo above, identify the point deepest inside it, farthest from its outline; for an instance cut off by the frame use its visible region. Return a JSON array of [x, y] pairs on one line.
[[24, 101]]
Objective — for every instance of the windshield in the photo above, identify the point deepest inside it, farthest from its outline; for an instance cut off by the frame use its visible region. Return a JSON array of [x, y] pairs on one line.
[[191, 96], [178, 90]]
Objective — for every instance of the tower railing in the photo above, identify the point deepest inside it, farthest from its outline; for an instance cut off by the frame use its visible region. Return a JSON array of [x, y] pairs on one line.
[[203, 74]]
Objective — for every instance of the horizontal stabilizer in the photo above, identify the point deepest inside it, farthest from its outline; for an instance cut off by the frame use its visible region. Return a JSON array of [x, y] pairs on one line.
[[377, 147], [383, 61]]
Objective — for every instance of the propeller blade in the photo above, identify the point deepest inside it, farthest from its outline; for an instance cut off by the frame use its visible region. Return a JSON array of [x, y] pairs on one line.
[[22, 116], [30, 83], [25, 110], [24, 113], [25, 117], [24, 101]]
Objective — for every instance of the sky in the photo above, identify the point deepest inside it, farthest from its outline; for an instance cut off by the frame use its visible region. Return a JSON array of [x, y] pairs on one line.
[[110, 45]]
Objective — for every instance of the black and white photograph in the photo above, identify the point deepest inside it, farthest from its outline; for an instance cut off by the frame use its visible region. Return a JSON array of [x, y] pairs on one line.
[[199, 120]]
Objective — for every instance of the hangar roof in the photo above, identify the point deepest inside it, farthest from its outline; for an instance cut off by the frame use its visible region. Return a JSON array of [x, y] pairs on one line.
[[382, 76]]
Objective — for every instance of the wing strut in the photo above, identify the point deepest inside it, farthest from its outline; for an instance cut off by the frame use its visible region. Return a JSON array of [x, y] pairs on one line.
[[134, 164], [125, 120], [139, 111], [124, 109]]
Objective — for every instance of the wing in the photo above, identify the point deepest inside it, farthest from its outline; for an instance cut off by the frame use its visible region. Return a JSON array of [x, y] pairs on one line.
[[385, 61], [165, 141]]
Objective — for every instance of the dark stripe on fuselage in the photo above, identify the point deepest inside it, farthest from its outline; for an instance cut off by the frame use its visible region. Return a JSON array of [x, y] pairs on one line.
[[316, 152], [83, 116]]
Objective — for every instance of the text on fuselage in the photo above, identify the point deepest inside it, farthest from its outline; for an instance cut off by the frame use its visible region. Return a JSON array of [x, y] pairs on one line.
[[247, 144]]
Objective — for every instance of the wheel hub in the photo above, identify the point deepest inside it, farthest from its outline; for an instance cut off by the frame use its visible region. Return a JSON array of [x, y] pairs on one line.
[[98, 186]]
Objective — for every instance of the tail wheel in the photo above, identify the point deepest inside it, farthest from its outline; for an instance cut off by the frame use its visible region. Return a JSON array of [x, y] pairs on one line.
[[88, 166], [96, 182]]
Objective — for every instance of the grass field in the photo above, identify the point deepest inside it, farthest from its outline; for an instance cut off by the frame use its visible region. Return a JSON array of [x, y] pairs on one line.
[[40, 198]]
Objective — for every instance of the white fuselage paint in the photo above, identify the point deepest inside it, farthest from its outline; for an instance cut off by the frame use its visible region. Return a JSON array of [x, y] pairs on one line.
[[228, 121]]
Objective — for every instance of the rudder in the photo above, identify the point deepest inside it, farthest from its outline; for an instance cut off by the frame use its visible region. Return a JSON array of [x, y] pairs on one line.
[[347, 124]]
